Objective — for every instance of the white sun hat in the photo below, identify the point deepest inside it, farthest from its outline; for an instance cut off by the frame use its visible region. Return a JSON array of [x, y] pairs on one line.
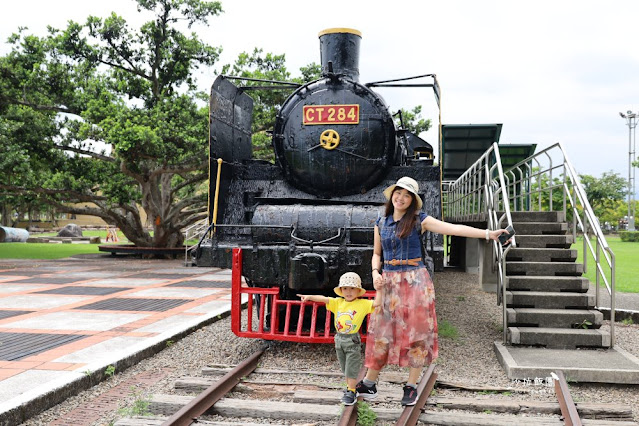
[[408, 184], [350, 279]]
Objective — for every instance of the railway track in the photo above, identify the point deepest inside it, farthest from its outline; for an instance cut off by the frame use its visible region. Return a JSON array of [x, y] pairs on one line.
[[248, 395]]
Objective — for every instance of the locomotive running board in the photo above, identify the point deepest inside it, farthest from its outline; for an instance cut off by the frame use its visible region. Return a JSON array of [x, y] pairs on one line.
[[289, 332]]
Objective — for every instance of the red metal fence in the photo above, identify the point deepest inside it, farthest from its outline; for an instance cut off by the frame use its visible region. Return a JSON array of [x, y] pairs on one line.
[[294, 329]]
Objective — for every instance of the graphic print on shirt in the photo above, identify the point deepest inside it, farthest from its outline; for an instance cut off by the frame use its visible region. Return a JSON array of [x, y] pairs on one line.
[[344, 321]]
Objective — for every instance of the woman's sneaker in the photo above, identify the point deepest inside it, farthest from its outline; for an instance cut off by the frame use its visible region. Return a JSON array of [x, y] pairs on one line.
[[366, 392], [349, 397], [410, 395]]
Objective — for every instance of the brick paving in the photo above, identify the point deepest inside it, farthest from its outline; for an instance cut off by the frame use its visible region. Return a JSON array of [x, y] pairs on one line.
[[64, 322]]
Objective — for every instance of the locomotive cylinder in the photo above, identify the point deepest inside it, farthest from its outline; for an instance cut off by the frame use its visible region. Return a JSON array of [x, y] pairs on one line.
[[340, 48]]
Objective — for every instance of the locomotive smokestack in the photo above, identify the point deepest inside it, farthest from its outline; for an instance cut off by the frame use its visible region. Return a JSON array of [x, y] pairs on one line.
[[339, 51]]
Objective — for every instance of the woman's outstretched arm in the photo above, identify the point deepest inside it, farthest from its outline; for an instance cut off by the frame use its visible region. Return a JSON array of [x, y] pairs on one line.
[[440, 227]]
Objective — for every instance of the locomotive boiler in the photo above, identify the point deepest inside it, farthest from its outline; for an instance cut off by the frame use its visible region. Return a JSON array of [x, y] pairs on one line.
[[308, 218]]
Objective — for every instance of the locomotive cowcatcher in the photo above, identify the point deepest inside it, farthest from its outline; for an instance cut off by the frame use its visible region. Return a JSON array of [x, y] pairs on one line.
[[297, 225]]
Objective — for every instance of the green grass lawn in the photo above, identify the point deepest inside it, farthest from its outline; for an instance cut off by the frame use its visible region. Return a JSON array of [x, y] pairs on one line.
[[54, 251], [59, 251], [85, 233], [626, 263], [44, 250]]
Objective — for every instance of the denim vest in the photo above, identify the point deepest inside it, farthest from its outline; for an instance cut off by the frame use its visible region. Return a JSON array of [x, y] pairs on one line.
[[394, 247]]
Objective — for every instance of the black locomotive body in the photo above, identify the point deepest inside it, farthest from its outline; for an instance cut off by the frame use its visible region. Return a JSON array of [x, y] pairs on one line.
[[309, 218]]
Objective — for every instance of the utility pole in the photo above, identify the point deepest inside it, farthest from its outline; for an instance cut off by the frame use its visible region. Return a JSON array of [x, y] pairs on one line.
[[631, 122]]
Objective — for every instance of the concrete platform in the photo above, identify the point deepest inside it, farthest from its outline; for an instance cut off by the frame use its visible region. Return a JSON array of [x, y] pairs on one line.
[[65, 324], [581, 365]]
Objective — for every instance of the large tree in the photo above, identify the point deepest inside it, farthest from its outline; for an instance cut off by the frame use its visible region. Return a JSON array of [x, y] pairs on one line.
[[412, 120], [604, 193], [132, 91]]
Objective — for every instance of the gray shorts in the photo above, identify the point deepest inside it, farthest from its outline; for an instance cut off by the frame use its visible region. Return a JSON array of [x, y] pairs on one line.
[[349, 353]]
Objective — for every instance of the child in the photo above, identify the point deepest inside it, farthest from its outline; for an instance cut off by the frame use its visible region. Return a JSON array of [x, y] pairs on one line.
[[350, 311]]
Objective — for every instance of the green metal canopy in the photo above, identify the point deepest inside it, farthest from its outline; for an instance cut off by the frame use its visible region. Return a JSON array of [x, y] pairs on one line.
[[463, 144], [512, 154]]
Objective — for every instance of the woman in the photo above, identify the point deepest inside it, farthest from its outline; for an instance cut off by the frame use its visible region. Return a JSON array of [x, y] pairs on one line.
[[404, 330]]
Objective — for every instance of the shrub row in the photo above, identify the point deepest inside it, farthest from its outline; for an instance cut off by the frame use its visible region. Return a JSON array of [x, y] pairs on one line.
[[631, 236]]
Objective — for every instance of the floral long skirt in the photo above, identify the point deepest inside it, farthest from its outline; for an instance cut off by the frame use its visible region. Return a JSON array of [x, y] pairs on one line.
[[403, 331]]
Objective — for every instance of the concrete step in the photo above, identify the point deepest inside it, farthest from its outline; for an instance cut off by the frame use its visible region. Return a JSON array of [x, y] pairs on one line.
[[544, 241], [541, 283], [536, 216], [545, 268], [541, 254], [554, 338], [541, 228], [595, 365], [549, 300], [553, 318]]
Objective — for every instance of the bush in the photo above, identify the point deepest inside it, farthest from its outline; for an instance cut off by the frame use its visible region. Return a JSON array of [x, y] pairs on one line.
[[629, 236]]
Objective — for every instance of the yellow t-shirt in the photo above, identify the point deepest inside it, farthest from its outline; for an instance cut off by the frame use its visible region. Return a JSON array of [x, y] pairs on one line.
[[349, 316]]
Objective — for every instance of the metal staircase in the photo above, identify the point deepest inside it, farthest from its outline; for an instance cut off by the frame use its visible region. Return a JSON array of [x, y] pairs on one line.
[[546, 300]]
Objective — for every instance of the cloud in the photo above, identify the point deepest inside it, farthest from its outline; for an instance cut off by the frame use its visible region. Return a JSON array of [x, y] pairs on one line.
[[549, 71]]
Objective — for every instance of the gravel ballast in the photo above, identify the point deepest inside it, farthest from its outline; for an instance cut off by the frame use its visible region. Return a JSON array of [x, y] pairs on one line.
[[467, 314]]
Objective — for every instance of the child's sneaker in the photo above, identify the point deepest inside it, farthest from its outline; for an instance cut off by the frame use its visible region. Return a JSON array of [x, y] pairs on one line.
[[349, 397], [366, 392], [410, 395]]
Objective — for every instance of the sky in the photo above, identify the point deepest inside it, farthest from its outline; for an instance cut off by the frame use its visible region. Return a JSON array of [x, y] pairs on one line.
[[549, 71]]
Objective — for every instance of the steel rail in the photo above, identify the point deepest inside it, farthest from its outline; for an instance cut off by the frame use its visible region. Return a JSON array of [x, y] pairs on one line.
[[190, 412], [567, 405], [410, 415], [349, 413]]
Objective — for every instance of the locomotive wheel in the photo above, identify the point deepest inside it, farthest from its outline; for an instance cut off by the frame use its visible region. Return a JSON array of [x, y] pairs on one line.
[[267, 306], [267, 310]]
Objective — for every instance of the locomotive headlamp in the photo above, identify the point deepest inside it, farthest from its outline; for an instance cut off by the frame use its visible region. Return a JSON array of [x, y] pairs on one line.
[[329, 139]]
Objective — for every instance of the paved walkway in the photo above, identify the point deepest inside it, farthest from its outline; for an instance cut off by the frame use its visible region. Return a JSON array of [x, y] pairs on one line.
[[625, 301], [63, 323]]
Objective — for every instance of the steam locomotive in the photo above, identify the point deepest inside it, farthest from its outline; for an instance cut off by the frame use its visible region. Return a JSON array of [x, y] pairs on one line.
[[308, 218]]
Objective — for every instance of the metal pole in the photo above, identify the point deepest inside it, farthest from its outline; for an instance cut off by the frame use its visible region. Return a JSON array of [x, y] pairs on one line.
[[631, 122], [630, 218], [634, 169]]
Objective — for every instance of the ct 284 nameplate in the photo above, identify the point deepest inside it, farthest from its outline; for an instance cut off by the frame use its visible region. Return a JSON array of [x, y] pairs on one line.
[[331, 114]]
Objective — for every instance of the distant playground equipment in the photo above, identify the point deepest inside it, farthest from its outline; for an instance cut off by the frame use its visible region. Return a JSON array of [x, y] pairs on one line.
[[111, 235], [13, 235]]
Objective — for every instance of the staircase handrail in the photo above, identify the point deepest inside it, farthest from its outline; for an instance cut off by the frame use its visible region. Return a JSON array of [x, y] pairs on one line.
[[467, 185], [198, 228], [591, 224], [499, 253], [482, 189]]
